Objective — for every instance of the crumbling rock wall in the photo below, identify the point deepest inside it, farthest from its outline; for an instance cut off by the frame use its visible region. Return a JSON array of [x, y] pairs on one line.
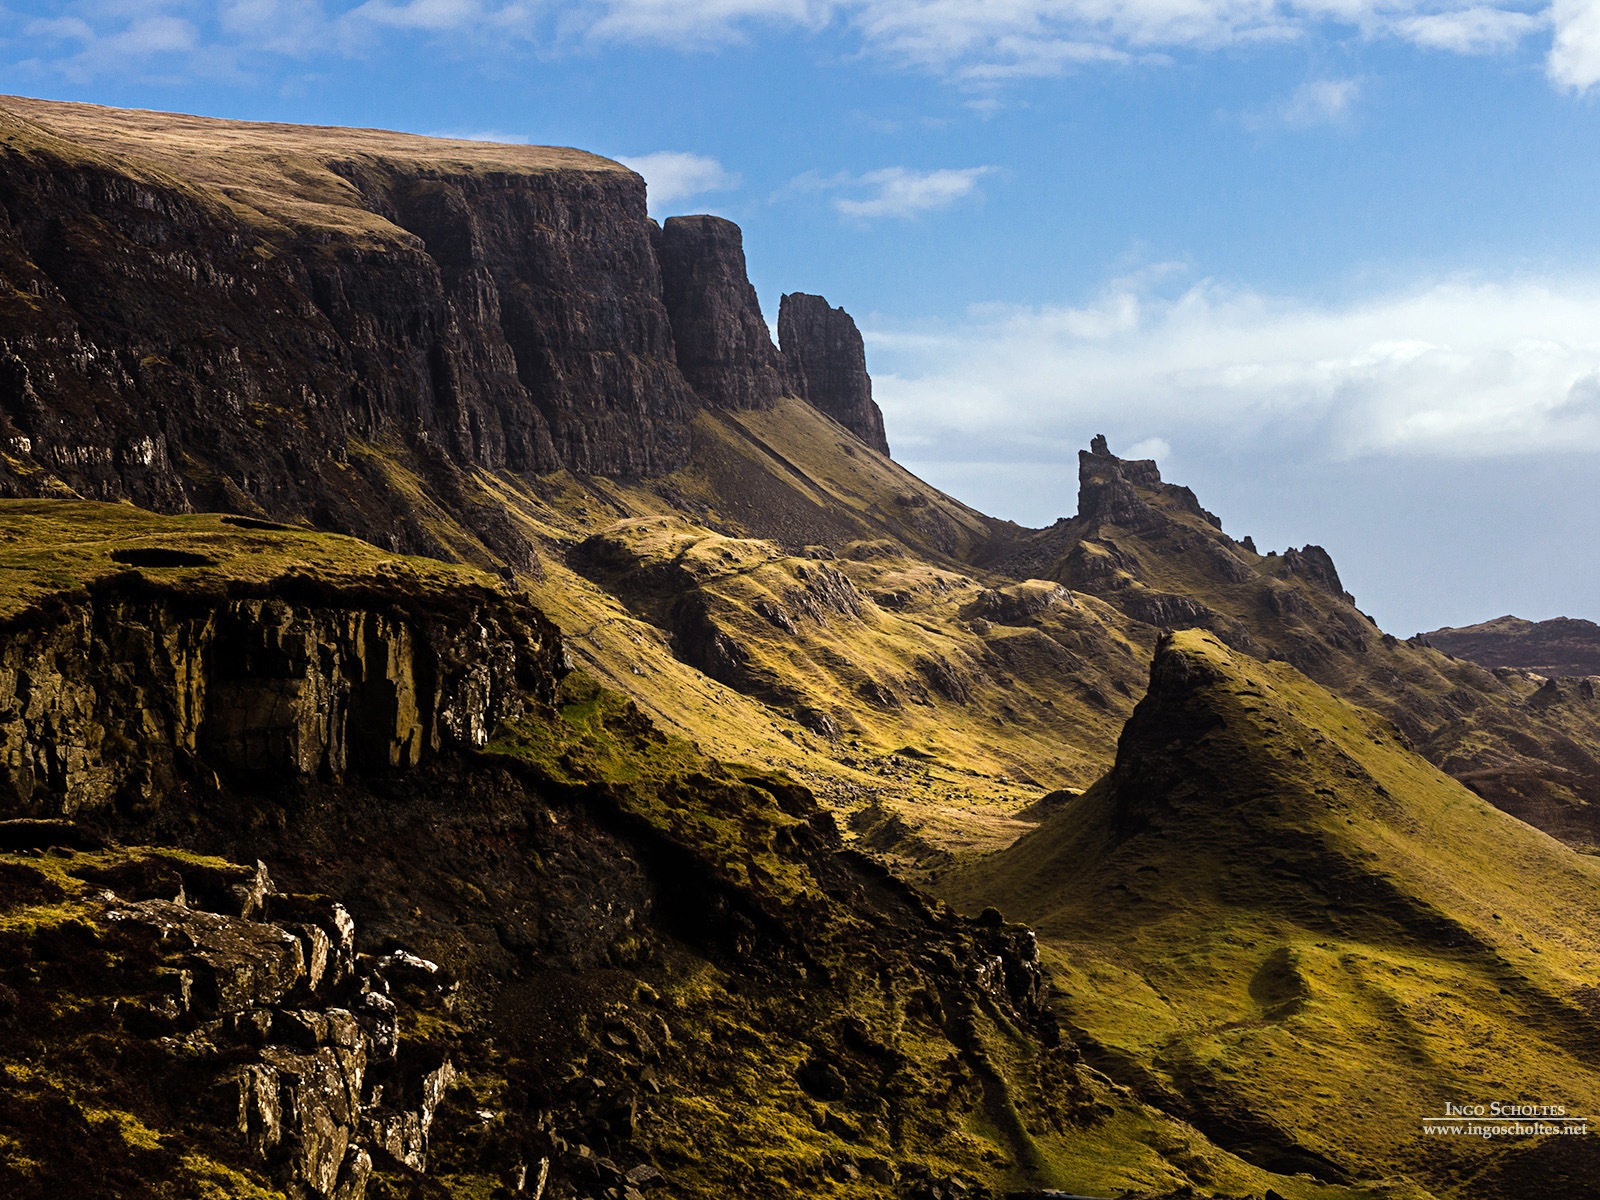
[[264, 1020], [119, 698]]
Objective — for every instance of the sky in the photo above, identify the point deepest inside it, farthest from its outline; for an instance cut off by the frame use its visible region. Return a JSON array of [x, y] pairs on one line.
[[1334, 264]]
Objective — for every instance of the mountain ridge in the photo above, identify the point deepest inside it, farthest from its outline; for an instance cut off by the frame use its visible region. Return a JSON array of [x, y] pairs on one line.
[[1556, 647]]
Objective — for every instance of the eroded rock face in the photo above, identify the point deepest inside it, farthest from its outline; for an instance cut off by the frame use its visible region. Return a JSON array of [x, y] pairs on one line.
[[509, 320], [295, 1038], [825, 355], [127, 695], [1108, 489], [1561, 646], [724, 348]]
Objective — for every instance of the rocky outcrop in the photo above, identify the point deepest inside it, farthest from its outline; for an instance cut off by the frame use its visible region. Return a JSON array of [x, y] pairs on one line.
[[1316, 565], [129, 694], [724, 348], [251, 1008], [823, 350], [1109, 489]]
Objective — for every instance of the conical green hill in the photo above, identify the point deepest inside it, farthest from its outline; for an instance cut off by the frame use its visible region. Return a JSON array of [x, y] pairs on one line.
[[1275, 919]]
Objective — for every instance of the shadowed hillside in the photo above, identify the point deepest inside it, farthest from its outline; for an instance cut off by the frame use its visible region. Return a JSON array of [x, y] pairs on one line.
[[503, 935]]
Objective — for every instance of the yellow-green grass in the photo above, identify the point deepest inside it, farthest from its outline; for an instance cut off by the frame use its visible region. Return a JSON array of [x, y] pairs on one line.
[[1310, 923], [55, 548]]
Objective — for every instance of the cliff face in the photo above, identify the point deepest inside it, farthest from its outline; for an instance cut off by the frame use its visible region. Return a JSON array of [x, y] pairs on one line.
[[269, 319], [144, 658], [124, 696], [724, 349], [825, 354], [166, 343]]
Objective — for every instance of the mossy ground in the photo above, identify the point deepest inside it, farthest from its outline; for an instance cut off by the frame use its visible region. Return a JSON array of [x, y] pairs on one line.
[[52, 550]]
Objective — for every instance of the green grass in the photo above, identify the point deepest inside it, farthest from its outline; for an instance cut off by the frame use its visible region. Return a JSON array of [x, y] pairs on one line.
[[1299, 910], [54, 549]]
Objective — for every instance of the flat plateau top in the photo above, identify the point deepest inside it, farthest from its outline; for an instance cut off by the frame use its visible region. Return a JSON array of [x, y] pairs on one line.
[[270, 173], [173, 138]]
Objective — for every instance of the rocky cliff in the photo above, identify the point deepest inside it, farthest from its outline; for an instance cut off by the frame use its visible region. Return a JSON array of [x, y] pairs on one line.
[[272, 319], [157, 667], [724, 348], [828, 361]]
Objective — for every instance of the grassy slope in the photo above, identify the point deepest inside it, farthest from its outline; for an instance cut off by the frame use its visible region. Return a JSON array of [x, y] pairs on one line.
[[1273, 907], [1037, 703], [53, 549]]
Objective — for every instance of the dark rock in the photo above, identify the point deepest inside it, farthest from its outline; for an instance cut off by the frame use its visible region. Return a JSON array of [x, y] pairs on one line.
[[645, 1176], [1315, 565], [827, 362], [1109, 490], [1557, 647], [295, 689], [29, 834], [723, 346], [821, 1079]]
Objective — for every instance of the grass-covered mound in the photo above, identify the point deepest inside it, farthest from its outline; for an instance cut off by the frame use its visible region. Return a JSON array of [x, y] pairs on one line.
[[1276, 919]]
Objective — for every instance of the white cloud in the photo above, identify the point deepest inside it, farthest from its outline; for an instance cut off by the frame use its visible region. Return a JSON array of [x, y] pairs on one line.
[[1315, 102], [701, 22], [1006, 39], [1574, 61], [894, 191], [1457, 370], [428, 15], [673, 175], [1480, 30], [1156, 448]]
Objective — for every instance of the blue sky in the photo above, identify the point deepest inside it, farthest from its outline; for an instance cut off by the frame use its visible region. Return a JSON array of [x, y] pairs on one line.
[[1336, 264]]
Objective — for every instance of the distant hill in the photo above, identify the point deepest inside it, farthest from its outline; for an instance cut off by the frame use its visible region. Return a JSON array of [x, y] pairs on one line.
[[1560, 646]]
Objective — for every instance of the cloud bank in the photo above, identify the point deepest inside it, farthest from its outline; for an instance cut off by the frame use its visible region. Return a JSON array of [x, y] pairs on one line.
[[899, 193], [979, 44], [1455, 370]]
